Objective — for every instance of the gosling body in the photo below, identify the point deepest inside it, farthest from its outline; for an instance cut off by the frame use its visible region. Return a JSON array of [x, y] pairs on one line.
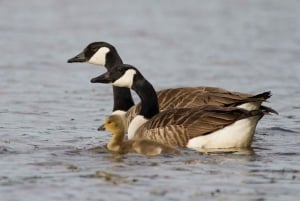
[[117, 144]]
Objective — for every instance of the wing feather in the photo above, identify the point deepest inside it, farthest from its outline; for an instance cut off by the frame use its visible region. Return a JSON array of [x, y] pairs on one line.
[[188, 97], [175, 127]]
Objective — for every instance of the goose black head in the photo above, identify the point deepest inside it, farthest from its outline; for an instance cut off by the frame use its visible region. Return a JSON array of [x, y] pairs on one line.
[[99, 53], [120, 76]]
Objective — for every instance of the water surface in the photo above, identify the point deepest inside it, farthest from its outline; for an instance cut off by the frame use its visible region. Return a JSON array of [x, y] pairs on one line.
[[49, 111]]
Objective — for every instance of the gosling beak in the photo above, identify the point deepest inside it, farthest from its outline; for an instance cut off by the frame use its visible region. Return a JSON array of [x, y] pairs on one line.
[[79, 58], [101, 128], [104, 78]]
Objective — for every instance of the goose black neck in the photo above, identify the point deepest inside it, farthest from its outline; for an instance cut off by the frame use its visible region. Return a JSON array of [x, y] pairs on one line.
[[147, 94], [112, 58], [122, 99], [122, 96]]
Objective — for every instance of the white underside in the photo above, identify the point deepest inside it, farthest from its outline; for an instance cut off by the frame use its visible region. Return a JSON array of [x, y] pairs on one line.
[[99, 58], [135, 124], [250, 106], [236, 135]]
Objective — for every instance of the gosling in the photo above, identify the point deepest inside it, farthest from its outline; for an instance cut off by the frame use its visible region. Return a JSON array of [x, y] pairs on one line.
[[117, 144]]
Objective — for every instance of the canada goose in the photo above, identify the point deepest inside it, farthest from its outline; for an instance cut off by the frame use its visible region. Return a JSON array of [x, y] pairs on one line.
[[117, 144], [105, 54], [198, 127]]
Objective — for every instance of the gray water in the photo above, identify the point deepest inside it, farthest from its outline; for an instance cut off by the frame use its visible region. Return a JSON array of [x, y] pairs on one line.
[[49, 111]]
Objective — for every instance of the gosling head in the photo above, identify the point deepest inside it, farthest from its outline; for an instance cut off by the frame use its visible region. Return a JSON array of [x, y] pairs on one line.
[[120, 76], [113, 123], [99, 53]]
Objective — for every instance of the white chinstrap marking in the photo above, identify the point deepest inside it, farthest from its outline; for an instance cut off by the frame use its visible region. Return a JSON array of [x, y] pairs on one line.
[[135, 124], [99, 58], [236, 135], [126, 80]]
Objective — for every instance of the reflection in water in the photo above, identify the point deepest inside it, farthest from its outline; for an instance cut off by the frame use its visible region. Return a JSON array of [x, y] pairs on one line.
[[242, 151]]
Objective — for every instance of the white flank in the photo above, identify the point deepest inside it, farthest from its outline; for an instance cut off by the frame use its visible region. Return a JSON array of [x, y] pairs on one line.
[[236, 135], [99, 58], [121, 114], [250, 106], [135, 124], [126, 80]]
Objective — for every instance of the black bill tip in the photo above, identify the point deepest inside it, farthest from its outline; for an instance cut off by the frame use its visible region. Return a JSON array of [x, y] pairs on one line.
[[79, 58], [94, 80], [101, 79]]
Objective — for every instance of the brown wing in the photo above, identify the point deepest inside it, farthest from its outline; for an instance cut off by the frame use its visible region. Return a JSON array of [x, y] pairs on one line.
[[197, 96], [189, 97], [175, 127]]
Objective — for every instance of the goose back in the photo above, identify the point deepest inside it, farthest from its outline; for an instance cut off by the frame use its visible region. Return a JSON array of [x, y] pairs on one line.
[[189, 97]]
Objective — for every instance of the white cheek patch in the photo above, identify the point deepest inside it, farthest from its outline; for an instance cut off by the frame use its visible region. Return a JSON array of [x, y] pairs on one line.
[[99, 58], [126, 80]]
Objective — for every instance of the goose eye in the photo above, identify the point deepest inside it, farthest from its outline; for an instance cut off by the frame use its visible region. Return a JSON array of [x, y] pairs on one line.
[[94, 49], [121, 70]]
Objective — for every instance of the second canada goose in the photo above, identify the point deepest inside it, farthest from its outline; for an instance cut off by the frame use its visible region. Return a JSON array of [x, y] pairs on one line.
[[117, 144], [199, 127], [105, 54]]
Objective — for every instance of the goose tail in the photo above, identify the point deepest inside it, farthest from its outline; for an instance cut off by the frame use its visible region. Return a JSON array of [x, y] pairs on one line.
[[263, 96], [254, 103]]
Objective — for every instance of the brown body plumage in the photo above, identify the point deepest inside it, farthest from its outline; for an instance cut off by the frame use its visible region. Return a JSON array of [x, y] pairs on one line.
[[189, 97], [177, 126]]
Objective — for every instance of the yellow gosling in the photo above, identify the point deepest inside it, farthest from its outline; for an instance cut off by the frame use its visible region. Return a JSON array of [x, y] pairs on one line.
[[117, 144]]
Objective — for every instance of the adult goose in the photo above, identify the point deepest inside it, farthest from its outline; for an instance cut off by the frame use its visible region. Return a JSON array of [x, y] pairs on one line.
[[196, 128], [105, 54], [117, 144]]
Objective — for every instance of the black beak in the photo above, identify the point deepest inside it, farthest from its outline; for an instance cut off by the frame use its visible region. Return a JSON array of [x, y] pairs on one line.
[[104, 78], [79, 58], [101, 128]]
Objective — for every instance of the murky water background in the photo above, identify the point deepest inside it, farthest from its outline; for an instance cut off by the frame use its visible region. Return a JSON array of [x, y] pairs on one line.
[[49, 111]]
